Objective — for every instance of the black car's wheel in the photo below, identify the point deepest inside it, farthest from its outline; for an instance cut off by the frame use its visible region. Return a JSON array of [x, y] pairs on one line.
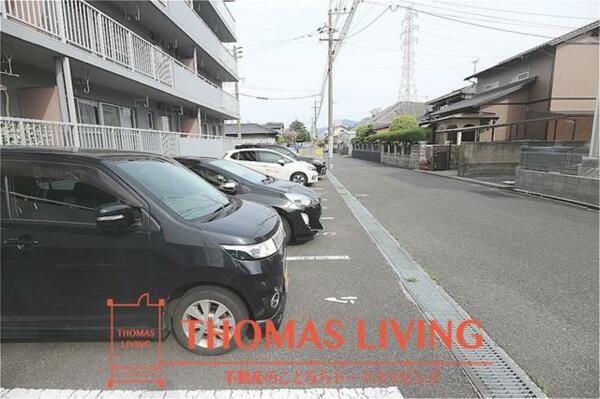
[[299, 177], [203, 304], [287, 228]]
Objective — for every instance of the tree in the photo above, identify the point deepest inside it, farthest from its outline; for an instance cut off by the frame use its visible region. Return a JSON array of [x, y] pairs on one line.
[[362, 132], [301, 132]]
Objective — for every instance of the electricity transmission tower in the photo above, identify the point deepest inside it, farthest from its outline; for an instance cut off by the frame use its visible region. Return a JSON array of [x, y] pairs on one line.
[[408, 88]]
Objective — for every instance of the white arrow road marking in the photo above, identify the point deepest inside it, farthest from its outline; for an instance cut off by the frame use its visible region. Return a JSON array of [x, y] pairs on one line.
[[343, 299], [323, 257], [312, 393]]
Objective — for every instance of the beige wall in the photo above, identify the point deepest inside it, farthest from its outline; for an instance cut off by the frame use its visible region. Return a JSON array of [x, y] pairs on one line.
[[190, 125], [575, 76], [40, 103], [506, 112]]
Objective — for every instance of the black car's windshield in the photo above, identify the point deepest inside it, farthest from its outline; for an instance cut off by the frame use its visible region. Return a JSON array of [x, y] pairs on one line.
[[179, 189], [243, 172]]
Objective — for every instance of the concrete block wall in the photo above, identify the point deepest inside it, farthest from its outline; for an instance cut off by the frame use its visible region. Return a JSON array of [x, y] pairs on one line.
[[571, 187], [493, 158]]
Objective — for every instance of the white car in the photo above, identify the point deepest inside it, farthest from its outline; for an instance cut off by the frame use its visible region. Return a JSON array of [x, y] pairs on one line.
[[274, 164]]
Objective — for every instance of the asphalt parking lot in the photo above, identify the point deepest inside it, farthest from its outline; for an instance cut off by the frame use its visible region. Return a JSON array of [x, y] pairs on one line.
[[341, 262]]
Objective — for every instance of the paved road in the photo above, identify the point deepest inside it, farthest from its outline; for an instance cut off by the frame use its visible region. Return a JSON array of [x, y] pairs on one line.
[[364, 275], [526, 267]]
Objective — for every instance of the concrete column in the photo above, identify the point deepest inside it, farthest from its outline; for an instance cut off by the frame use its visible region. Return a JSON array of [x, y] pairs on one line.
[[458, 138], [199, 117], [70, 97], [62, 94], [595, 139]]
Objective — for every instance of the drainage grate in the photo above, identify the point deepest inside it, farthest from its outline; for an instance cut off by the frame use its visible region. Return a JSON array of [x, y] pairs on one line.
[[503, 378]]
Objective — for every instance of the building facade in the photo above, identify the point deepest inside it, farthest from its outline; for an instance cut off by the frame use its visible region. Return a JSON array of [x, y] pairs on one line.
[[545, 93], [102, 73]]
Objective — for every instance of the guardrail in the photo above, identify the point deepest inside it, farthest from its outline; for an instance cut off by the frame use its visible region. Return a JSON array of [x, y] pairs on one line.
[[35, 133]]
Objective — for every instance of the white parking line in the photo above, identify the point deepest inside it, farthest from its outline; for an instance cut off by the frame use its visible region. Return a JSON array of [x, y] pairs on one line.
[[317, 257], [326, 233], [327, 218], [324, 199], [323, 207], [343, 393]]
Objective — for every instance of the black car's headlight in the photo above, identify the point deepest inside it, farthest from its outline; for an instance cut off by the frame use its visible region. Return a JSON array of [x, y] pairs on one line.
[[260, 250]]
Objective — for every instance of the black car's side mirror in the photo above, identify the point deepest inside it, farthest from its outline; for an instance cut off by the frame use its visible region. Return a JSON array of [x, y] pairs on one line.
[[230, 187], [115, 216], [281, 161]]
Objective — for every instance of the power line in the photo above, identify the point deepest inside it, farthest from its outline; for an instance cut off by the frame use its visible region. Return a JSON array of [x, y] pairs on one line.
[[465, 22], [513, 11], [370, 23], [496, 17], [462, 21]]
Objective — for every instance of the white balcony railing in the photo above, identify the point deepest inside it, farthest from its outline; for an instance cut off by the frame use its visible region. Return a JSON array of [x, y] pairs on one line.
[[31, 132], [79, 24]]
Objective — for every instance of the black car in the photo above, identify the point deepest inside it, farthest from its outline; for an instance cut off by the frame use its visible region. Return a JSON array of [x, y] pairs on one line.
[[299, 207], [320, 164], [81, 227]]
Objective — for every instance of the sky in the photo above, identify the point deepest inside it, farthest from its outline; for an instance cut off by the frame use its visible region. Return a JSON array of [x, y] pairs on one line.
[[367, 70]]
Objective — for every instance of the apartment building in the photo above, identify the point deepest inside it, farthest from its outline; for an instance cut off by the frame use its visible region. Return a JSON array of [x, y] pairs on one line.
[[545, 93], [116, 74]]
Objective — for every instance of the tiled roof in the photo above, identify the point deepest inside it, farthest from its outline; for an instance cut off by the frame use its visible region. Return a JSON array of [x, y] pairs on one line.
[[554, 42], [484, 97], [385, 117], [249, 128]]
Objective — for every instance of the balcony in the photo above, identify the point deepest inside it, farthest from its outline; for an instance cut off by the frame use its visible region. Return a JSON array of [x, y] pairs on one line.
[[35, 133], [217, 15], [101, 41], [193, 25]]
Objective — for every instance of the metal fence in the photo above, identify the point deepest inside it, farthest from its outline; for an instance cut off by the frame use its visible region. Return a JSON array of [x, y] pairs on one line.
[[30, 132], [562, 159]]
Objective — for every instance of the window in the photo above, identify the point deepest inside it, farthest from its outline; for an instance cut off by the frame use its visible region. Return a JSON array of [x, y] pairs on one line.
[[55, 192], [214, 178], [522, 76], [270, 157], [88, 112], [247, 156], [240, 171], [177, 187], [490, 86]]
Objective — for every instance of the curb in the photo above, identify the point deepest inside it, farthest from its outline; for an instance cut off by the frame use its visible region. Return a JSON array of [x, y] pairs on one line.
[[466, 179]]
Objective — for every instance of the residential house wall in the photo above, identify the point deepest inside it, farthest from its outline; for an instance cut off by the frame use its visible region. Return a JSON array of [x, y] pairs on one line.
[[575, 76]]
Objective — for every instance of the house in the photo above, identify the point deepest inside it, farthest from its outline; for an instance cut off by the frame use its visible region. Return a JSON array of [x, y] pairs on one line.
[[381, 120], [94, 70], [342, 134], [278, 126], [252, 132], [545, 93]]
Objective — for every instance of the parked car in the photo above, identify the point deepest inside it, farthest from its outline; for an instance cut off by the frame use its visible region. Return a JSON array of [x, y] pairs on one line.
[[82, 226], [298, 206], [275, 164], [318, 163]]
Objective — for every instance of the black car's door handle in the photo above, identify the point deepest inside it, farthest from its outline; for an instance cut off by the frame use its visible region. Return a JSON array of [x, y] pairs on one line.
[[22, 243]]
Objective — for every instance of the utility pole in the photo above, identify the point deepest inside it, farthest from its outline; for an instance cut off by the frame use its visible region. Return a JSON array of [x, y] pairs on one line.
[[330, 87], [237, 54], [315, 128], [407, 90]]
